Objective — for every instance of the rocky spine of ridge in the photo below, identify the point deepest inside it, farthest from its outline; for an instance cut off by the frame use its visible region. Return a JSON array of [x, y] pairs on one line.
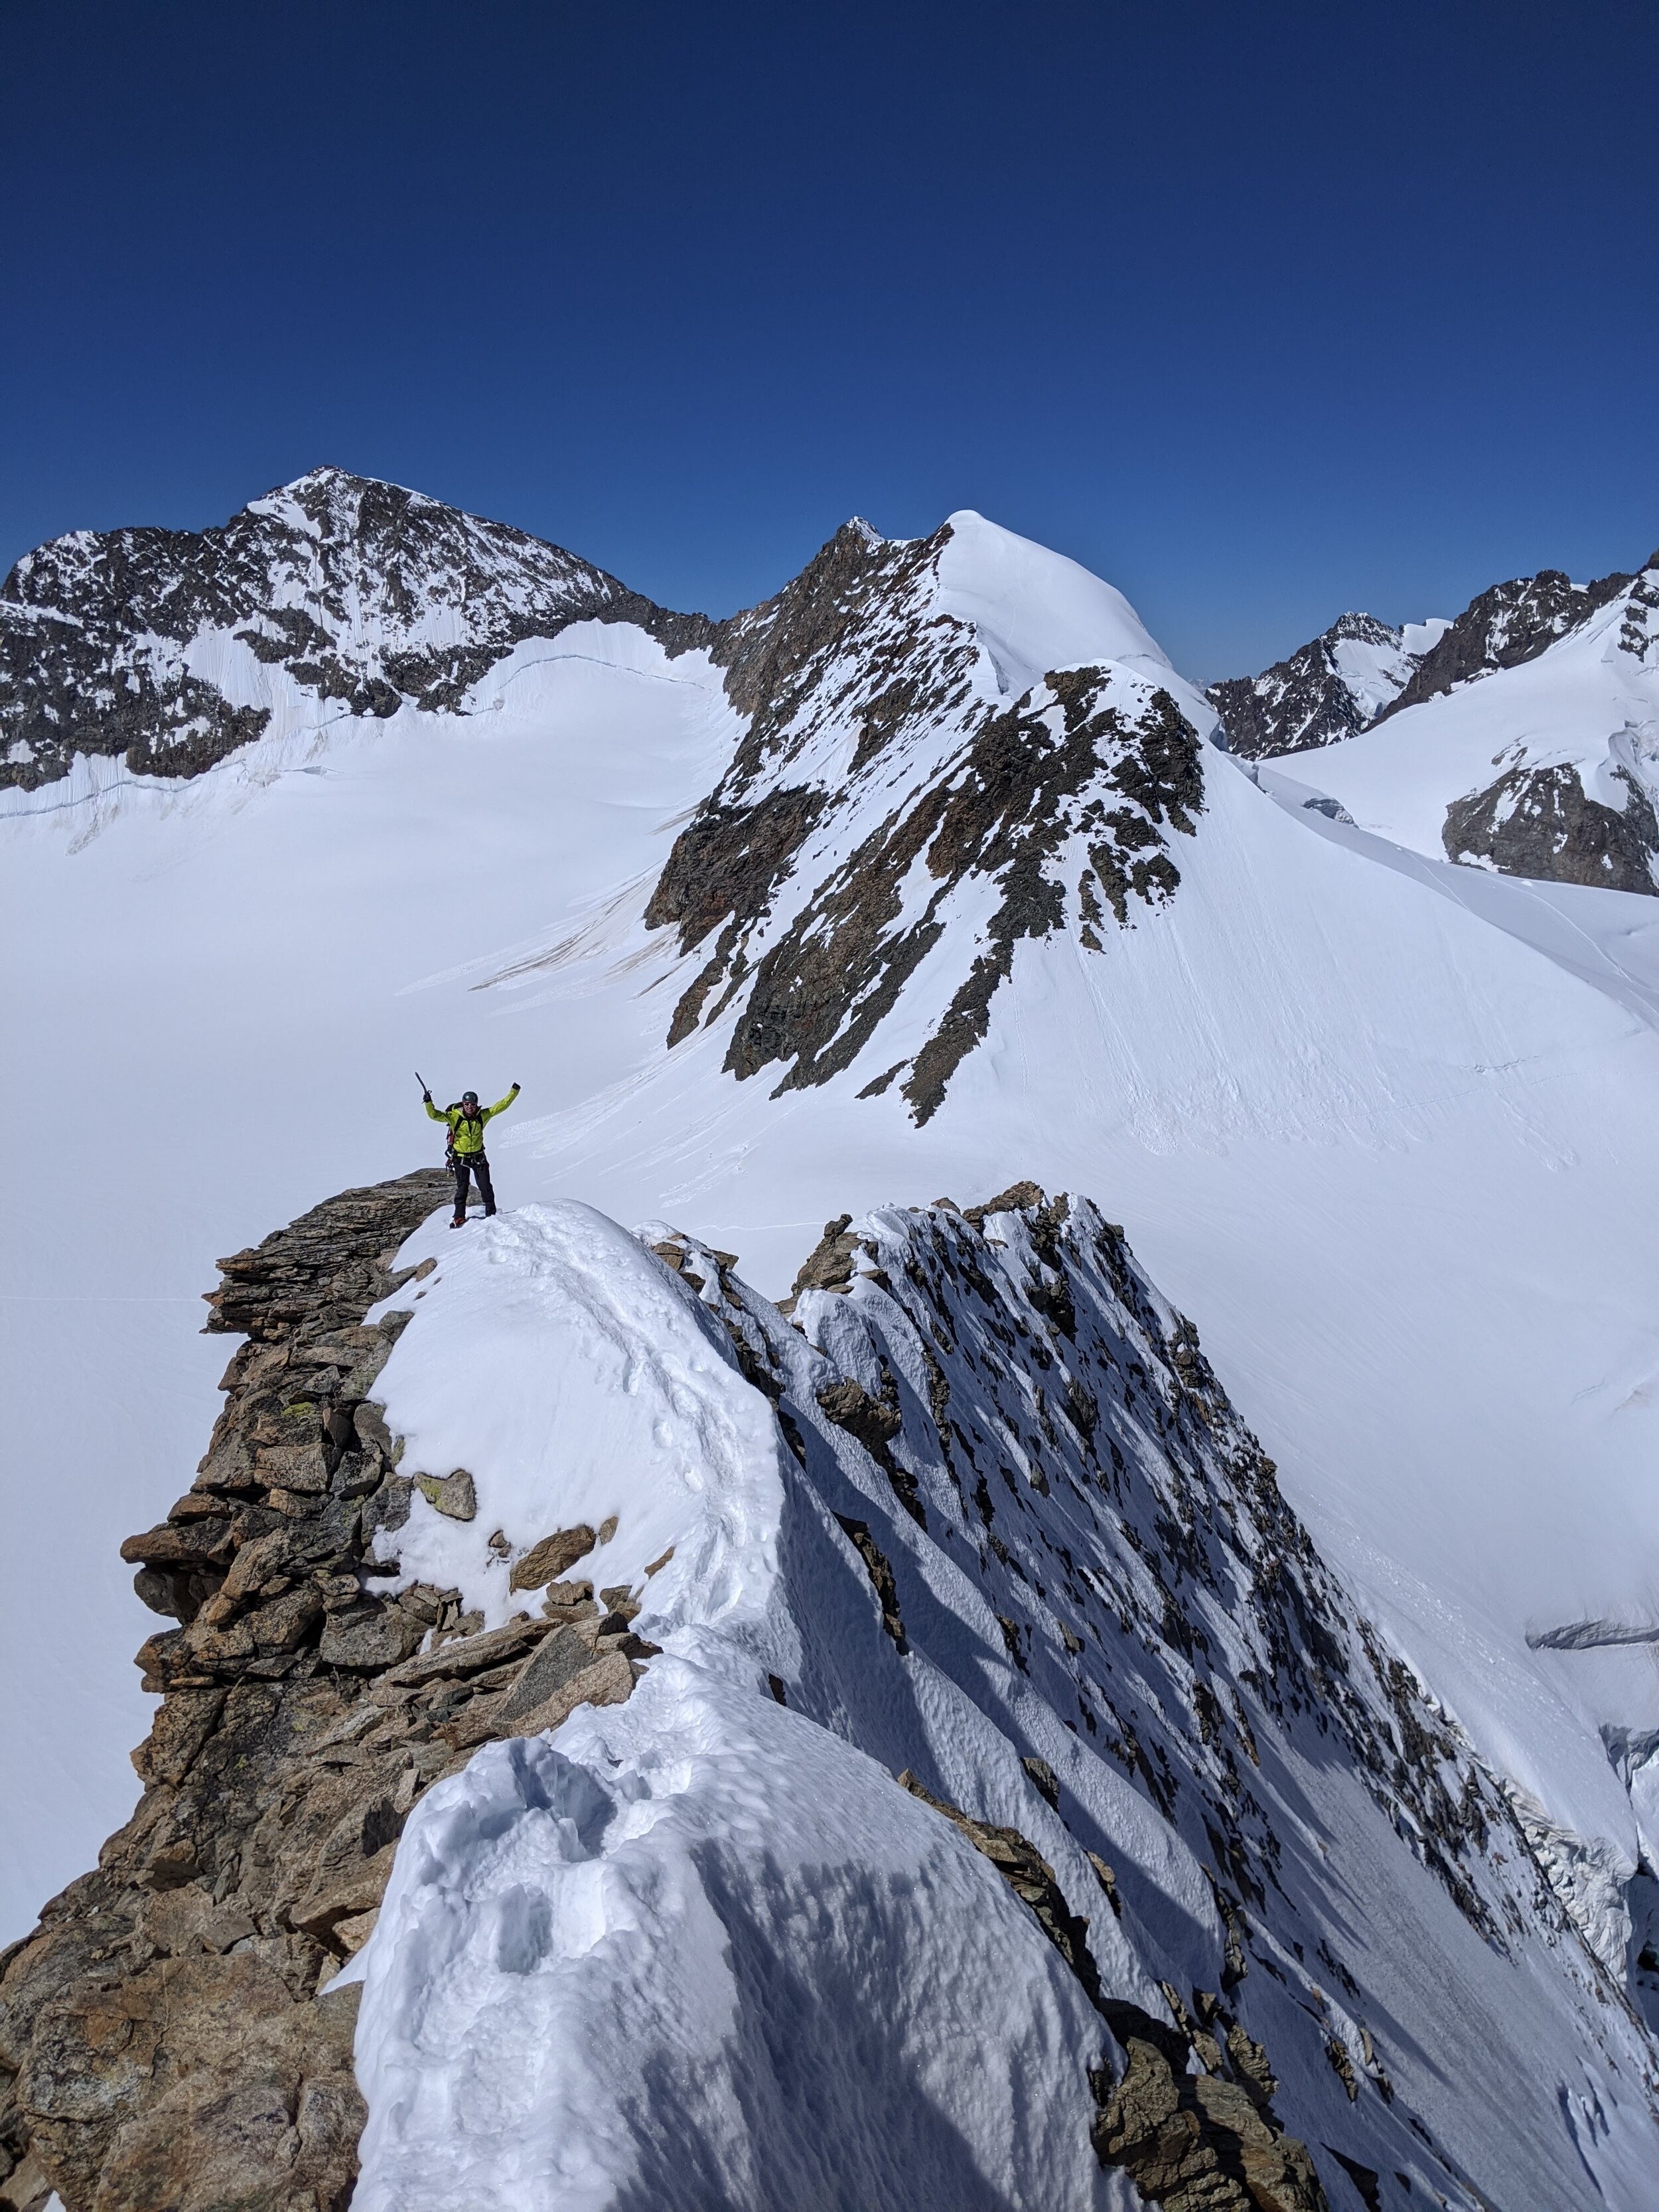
[[1019, 1396], [345, 582], [166, 2035], [1311, 697]]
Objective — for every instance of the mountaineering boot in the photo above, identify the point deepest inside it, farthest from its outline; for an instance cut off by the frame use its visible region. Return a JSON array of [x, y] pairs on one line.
[[459, 1222]]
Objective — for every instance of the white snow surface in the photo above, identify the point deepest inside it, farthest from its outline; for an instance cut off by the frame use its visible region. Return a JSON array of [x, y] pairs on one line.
[[699, 1948], [1373, 674], [1391, 1149], [1033, 610]]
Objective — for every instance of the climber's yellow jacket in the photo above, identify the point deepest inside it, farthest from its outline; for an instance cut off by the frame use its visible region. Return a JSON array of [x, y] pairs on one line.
[[466, 1131]]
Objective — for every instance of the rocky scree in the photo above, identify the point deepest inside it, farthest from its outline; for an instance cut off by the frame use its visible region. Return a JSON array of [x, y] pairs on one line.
[[163, 2038]]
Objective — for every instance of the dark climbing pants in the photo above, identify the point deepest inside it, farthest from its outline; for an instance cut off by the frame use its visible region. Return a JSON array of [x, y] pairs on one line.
[[473, 1164]]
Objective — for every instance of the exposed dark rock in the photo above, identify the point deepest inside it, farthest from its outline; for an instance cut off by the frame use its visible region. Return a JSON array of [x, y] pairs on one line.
[[1538, 822], [1304, 700], [1043, 1778], [545, 1562], [879, 1569], [1002, 810], [1198, 2142], [452, 1495], [852, 614], [162, 2042], [875, 1422], [1508, 624], [1191, 2144], [335, 578], [728, 860]]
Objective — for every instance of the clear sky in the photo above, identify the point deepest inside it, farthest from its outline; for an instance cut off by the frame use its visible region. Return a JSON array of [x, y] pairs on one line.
[[1260, 311]]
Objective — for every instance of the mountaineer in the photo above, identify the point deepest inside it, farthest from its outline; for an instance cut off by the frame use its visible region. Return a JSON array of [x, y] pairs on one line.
[[464, 1151]]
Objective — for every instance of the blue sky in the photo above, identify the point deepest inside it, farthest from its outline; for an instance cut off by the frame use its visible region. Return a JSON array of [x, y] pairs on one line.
[[1262, 312]]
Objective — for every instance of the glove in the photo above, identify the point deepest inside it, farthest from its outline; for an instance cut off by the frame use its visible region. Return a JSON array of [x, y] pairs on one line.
[[516, 1086], [427, 1095]]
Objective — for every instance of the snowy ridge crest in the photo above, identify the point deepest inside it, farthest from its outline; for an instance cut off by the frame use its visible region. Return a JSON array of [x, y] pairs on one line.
[[1027, 1560]]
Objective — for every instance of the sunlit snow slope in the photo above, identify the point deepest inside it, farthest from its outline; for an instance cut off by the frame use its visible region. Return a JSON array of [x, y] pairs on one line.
[[1395, 1161]]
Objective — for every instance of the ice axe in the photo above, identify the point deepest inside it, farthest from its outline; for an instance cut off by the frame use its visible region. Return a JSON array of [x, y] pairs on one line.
[[426, 1087]]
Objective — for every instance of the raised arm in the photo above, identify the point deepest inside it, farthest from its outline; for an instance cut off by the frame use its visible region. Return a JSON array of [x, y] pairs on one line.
[[432, 1111], [501, 1104]]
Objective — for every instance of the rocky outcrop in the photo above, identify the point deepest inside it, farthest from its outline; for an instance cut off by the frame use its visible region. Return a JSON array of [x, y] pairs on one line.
[[1540, 821], [1190, 2117], [1316, 696], [341, 580], [1071, 760], [1509, 624], [167, 2036]]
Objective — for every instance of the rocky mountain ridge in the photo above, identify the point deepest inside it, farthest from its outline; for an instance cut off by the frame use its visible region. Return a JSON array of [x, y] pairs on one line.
[[160, 647], [1311, 698], [1331, 688], [1552, 814], [886, 783], [167, 2036], [364, 593], [1000, 1393]]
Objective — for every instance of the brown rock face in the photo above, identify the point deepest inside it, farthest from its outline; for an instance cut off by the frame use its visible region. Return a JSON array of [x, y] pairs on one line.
[[1538, 822], [162, 2039]]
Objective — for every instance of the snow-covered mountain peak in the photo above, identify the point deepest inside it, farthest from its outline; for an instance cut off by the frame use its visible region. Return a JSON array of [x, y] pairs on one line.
[[177, 647], [1034, 609], [909, 800], [1329, 689]]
